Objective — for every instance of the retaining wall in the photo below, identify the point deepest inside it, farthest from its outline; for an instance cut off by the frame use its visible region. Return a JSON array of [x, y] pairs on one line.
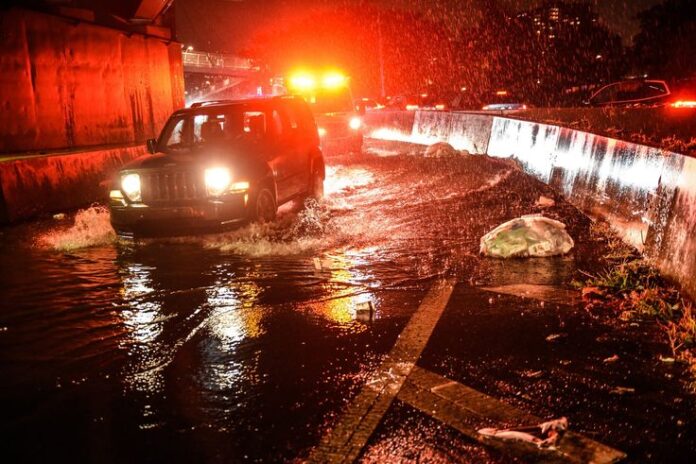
[[66, 84], [47, 184], [648, 195]]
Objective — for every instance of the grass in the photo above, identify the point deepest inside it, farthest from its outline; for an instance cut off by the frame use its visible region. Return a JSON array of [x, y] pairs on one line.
[[631, 289]]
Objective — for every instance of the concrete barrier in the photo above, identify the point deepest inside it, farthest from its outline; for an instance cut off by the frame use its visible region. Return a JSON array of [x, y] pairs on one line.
[[41, 184], [648, 195], [464, 131]]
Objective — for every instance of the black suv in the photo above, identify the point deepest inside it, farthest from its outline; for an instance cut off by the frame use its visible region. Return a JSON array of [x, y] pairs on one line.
[[217, 164]]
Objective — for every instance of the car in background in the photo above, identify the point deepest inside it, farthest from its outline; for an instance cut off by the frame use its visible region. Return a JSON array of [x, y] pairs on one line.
[[217, 164], [632, 93], [501, 100], [646, 93], [423, 101], [368, 104]]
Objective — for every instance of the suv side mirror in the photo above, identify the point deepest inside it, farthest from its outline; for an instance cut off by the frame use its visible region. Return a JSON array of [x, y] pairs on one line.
[[360, 108], [152, 145]]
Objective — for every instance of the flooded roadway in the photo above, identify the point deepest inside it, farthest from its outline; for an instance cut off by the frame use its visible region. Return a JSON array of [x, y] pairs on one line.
[[246, 346]]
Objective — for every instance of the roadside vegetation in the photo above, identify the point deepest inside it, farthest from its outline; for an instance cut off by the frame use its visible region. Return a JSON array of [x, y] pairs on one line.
[[630, 289]]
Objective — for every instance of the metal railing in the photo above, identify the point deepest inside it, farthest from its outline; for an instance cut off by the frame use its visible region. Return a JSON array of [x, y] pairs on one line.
[[196, 59]]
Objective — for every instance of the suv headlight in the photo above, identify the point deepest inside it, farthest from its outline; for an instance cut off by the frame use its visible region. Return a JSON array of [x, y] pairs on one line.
[[217, 181], [355, 123], [130, 184]]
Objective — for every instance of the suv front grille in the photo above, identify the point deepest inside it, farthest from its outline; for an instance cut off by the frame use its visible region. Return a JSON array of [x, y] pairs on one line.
[[166, 186]]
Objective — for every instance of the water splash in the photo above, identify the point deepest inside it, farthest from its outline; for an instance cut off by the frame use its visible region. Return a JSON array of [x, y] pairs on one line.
[[90, 228]]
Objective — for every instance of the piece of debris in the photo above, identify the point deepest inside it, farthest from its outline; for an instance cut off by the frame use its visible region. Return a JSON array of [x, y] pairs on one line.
[[592, 293], [532, 374], [321, 264], [364, 311], [667, 360], [544, 435], [553, 337], [59, 216], [545, 202], [622, 390], [441, 150], [611, 359], [530, 235]]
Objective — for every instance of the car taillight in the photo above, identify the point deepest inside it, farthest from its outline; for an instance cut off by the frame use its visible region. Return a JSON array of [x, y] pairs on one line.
[[684, 104]]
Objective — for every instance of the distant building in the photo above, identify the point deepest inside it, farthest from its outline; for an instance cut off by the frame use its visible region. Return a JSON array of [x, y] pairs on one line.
[[556, 21]]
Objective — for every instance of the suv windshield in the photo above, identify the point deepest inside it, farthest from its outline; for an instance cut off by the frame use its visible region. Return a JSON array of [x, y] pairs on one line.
[[210, 127]]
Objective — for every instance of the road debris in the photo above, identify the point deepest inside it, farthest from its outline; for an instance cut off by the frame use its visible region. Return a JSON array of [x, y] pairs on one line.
[[529, 235], [611, 359], [441, 150], [544, 435], [364, 311], [622, 390], [545, 202], [553, 337]]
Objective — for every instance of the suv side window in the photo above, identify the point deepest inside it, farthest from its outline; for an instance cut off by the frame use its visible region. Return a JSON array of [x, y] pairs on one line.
[[175, 134], [255, 124], [279, 129]]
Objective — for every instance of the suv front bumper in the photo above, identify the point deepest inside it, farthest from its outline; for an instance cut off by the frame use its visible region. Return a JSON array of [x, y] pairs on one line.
[[156, 220]]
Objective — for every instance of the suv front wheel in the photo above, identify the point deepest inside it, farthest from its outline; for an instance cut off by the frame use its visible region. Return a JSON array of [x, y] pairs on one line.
[[263, 206]]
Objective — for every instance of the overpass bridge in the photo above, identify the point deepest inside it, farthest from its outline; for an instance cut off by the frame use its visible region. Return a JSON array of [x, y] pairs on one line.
[[211, 76]]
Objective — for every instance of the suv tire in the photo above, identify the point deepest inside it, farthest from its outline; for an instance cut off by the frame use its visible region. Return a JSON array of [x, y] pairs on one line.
[[316, 186], [263, 206]]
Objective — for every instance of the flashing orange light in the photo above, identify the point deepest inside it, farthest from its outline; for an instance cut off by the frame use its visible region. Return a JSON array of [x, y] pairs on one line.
[[303, 82], [440, 106], [321, 131], [424, 95], [411, 107], [684, 104], [333, 80], [501, 93]]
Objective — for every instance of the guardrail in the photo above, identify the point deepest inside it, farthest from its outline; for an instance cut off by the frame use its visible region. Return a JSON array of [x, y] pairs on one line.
[[647, 194], [194, 59]]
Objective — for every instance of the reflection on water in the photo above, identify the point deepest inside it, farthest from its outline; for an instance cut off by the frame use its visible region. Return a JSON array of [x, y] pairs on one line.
[[253, 333]]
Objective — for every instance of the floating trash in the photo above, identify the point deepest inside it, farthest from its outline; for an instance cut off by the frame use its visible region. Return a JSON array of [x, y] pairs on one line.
[[545, 202], [364, 311], [441, 150], [530, 235], [544, 435]]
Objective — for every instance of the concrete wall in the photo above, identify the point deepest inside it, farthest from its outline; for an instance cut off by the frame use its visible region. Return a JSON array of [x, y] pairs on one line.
[[66, 84], [77, 100], [463, 131], [648, 195], [48, 184], [660, 127]]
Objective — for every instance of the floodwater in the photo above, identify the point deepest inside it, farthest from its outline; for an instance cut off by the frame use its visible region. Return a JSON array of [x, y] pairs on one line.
[[245, 346]]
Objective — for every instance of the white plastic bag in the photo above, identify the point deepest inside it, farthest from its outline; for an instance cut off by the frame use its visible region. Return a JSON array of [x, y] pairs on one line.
[[531, 235]]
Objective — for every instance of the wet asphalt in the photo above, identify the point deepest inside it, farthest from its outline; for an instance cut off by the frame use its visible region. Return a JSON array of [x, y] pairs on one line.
[[247, 346]]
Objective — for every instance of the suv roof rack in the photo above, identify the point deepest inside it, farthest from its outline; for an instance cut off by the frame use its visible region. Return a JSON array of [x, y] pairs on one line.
[[210, 102]]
